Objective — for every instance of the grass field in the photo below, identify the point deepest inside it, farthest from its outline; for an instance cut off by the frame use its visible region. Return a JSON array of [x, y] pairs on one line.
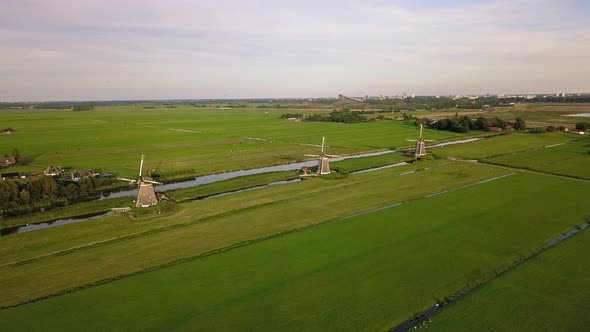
[[369, 272], [501, 145], [112, 139], [571, 159], [113, 246], [547, 293]]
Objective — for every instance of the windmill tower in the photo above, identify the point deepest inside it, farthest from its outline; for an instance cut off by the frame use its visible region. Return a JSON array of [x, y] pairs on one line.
[[146, 195], [420, 145], [324, 162]]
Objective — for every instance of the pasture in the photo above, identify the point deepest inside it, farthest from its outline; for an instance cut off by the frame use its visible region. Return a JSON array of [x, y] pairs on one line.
[[571, 159], [113, 246], [186, 139], [368, 272], [547, 293], [501, 145]]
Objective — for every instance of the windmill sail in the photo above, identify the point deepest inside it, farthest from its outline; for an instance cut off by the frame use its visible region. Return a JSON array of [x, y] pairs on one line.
[[324, 162]]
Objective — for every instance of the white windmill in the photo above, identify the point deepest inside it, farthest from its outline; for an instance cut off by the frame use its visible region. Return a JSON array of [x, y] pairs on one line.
[[146, 195], [420, 144], [324, 162]]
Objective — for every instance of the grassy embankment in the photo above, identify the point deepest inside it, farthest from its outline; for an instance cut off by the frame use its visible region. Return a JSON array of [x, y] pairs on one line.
[[369, 272], [116, 245], [547, 293], [70, 211]]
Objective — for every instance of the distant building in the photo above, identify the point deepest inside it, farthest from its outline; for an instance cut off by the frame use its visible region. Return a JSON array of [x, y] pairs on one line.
[[84, 173], [7, 161], [5, 176], [496, 129], [53, 171], [577, 131]]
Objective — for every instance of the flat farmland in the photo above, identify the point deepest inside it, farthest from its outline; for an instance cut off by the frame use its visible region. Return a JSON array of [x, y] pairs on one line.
[[82, 254], [547, 293], [571, 159], [501, 145], [369, 272], [111, 139]]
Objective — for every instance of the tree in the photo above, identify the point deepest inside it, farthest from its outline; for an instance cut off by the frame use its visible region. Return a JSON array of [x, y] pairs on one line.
[[583, 125], [16, 154], [71, 191], [25, 197], [35, 189], [482, 123], [497, 122], [519, 124], [87, 186], [50, 188]]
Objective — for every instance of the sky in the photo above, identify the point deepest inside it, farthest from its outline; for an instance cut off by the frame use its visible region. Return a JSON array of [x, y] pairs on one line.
[[180, 49]]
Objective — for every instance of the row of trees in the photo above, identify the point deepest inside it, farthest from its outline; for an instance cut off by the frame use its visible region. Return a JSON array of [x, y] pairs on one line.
[[463, 124], [45, 191], [77, 108], [343, 116]]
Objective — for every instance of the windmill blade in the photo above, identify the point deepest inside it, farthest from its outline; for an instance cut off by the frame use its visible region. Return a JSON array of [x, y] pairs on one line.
[[323, 144], [331, 156], [141, 166], [152, 182], [429, 140], [128, 180], [312, 155], [412, 140]]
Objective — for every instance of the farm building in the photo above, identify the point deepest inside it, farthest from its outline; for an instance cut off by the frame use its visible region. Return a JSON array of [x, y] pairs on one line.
[[496, 129], [7, 161], [53, 171], [14, 175], [577, 131], [84, 173]]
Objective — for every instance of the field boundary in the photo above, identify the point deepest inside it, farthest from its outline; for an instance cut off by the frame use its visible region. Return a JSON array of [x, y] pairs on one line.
[[488, 278], [533, 171]]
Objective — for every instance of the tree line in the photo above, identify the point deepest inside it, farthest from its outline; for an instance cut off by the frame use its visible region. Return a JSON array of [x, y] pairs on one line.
[[342, 116], [46, 191], [464, 123]]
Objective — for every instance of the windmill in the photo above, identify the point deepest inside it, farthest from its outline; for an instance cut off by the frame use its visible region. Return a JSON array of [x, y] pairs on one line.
[[420, 145], [324, 162], [146, 195]]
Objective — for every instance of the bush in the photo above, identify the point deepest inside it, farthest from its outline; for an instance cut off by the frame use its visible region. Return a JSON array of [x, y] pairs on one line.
[[537, 130]]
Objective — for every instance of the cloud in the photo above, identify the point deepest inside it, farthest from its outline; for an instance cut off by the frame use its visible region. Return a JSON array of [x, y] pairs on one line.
[[187, 49]]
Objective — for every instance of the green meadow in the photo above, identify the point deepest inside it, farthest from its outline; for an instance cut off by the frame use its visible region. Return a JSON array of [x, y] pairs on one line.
[[186, 139], [347, 252], [81, 254], [571, 159], [547, 293], [365, 273], [501, 145]]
